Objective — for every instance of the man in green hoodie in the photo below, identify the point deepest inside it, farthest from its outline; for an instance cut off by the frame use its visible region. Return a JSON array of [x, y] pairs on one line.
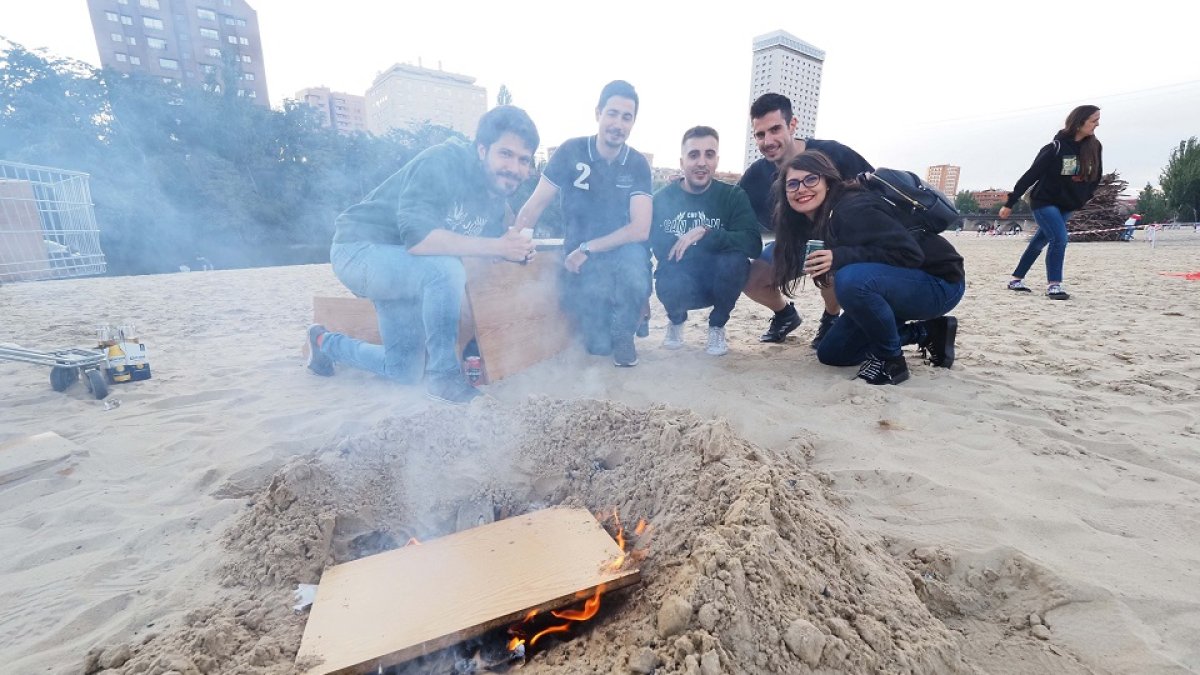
[[703, 233], [401, 248]]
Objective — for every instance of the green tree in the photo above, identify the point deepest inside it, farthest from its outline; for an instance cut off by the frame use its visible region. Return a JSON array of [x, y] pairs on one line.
[[1152, 205], [965, 202], [503, 97], [179, 172], [1180, 180]]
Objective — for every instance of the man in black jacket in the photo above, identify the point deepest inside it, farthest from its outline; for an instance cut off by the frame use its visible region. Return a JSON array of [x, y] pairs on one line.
[[774, 128]]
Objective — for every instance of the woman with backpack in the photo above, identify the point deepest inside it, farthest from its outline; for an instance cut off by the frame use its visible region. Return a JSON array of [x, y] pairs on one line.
[[895, 286], [1064, 176]]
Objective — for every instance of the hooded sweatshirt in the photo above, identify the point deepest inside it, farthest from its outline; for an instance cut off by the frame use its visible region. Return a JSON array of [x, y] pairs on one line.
[[1055, 177]]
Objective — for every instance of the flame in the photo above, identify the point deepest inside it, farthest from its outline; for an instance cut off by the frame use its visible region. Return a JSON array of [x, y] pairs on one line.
[[561, 628], [591, 605], [413, 541]]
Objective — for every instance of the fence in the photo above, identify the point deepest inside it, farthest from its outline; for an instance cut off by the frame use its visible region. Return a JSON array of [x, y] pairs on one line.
[[47, 224]]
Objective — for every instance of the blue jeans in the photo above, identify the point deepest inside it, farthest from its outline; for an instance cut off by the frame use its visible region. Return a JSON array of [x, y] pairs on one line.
[[1052, 231], [876, 302], [418, 299], [702, 279], [607, 295]]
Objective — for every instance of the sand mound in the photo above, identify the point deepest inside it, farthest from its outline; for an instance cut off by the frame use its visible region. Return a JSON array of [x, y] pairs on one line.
[[748, 568]]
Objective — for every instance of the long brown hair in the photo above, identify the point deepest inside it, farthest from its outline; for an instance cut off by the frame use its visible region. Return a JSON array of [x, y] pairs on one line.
[[1089, 148], [793, 229]]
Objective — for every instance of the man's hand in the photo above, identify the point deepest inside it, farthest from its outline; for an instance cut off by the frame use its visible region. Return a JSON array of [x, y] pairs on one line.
[[1004, 212], [686, 241], [818, 262], [574, 262], [515, 246]]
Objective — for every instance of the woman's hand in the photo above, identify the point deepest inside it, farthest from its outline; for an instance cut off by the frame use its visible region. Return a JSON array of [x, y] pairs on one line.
[[818, 262], [1004, 212]]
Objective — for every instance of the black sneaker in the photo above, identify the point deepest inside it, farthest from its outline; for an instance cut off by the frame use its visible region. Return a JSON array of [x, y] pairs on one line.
[[452, 389], [784, 322], [883, 371], [317, 361], [827, 321], [624, 353], [938, 346]]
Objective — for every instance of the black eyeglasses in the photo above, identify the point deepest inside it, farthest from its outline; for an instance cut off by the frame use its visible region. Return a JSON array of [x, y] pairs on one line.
[[810, 181]]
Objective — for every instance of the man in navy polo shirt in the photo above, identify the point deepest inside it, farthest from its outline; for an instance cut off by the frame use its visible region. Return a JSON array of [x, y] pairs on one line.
[[606, 203], [774, 128]]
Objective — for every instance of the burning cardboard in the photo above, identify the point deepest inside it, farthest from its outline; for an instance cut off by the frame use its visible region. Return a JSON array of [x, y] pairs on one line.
[[388, 608]]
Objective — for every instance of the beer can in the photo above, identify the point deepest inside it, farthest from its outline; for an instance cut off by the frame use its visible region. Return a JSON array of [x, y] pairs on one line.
[[812, 245], [474, 369]]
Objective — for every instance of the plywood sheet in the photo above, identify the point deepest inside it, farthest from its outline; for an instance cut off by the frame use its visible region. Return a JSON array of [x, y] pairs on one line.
[[518, 319], [23, 254], [388, 608]]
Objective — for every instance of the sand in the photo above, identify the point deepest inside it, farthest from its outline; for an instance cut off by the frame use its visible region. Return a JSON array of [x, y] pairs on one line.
[[1032, 510]]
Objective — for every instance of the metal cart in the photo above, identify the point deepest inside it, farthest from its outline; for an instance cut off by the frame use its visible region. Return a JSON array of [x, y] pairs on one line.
[[66, 366]]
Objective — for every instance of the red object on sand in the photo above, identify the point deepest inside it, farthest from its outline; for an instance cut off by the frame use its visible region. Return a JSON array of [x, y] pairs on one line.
[[1190, 276]]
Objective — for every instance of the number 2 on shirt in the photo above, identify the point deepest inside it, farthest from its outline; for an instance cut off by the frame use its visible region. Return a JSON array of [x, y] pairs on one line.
[[584, 171]]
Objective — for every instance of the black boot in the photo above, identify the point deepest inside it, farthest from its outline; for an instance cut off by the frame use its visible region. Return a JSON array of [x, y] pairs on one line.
[[938, 345]]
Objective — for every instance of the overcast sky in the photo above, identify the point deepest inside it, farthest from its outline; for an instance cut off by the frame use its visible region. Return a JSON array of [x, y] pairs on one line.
[[908, 85]]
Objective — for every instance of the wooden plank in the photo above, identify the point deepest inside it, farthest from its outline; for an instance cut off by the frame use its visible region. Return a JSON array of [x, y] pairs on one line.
[[518, 320], [511, 310], [388, 608], [23, 253]]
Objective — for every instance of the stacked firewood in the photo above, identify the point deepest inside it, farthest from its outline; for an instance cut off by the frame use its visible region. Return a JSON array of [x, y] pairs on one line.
[[1103, 217]]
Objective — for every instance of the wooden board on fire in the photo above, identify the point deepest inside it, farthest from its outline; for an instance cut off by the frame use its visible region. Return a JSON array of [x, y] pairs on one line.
[[386, 609]]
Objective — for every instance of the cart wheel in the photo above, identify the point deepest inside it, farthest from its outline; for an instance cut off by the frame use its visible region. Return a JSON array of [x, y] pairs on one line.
[[96, 384], [61, 377]]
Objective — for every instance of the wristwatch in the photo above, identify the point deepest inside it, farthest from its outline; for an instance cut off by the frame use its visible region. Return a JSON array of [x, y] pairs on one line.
[[584, 248]]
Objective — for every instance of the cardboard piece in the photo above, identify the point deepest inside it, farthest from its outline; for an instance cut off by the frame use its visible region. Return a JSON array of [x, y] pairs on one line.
[[29, 455], [511, 310], [388, 608]]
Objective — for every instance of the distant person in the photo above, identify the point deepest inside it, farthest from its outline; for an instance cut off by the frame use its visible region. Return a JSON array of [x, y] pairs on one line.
[[774, 129], [981, 229], [606, 202], [1064, 176], [703, 235], [401, 248], [894, 286], [1130, 227]]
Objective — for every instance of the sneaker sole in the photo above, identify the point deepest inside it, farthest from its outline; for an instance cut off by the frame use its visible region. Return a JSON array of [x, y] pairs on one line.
[[625, 365], [1059, 296]]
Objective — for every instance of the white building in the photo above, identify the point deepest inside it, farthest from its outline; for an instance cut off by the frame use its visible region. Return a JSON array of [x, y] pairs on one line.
[[405, 96], [785, 64]]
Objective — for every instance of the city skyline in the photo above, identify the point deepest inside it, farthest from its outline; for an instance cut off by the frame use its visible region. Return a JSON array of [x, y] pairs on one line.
[[997, 94]]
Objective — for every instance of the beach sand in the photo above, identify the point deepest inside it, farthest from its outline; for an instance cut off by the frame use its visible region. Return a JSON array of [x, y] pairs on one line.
[[810, 522]]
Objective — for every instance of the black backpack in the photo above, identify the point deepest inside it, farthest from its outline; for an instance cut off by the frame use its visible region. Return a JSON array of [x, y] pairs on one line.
[[920, 207]]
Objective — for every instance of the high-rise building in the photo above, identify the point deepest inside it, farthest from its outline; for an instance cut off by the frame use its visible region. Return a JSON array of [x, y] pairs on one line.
[[944, 177], [188, 42], [785, 64], [345, 112], [406, 96]]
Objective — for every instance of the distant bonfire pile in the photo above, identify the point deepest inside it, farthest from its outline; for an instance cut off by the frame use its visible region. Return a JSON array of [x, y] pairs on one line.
[[1102, 218]]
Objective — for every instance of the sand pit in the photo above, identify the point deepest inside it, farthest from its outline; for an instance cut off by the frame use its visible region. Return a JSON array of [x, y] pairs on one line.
[[747, 566]]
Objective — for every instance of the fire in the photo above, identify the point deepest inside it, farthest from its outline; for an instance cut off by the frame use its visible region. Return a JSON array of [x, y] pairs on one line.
[[413, 541], [591, 605]]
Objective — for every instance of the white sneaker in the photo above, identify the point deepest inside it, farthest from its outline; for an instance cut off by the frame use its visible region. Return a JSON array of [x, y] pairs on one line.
[[716, 341], [674, 337]]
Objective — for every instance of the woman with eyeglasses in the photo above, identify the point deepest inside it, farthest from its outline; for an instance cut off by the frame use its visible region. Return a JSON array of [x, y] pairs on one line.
[[894, 286], [1064, 176]]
